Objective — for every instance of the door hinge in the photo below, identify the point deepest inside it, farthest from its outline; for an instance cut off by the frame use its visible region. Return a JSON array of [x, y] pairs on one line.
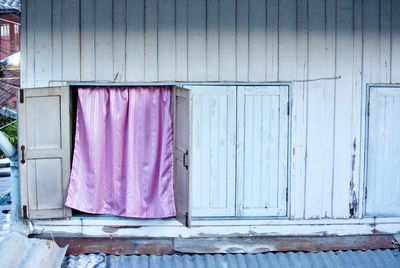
[[366, 193], [187, 219], [287, 194], [288, 108], [24, 212], [186, 160], [21, 96]]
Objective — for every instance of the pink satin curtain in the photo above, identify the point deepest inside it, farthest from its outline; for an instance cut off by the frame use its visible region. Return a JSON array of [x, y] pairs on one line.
[[122, 162]]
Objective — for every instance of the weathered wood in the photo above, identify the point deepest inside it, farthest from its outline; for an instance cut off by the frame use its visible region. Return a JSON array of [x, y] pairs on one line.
[[383, 146], [45, 152], [119, 40], [70, 41], [197, 40], [182, 155], [166, 40], [343, 150], [262, 138], [150, 40], [257, 40], [137, 246], [214, 150], [135, 40], [104, 59], [227, 41], [87, 45]]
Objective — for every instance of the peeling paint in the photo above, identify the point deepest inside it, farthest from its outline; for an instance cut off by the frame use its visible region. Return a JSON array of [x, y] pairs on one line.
[[353, 200]]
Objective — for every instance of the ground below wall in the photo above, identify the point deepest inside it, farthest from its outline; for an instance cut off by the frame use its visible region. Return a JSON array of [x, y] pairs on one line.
[[128, 246]]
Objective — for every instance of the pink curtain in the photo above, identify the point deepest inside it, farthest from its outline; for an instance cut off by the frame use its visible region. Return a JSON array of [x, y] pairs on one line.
[[122, 163]]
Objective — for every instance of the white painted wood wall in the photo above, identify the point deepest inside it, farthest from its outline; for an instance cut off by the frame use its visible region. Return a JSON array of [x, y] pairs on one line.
[[246, 40]]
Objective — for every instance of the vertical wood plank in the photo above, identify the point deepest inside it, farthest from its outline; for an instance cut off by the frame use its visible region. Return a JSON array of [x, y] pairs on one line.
[[287, 40], [135, 40], [371, 68], [358, 94], [272, 46], [257, 40], [23, 40], [299, 115], [71, 41], [242, 40], [197, 41], [342, 175], [151, 40], [166, 40], [57, 42], [395, 27], [181, 40], [30, 43], [384, 41], [319, 117], [104, 40], [119, 40], [227, 37], [88, 60], [212, 43]]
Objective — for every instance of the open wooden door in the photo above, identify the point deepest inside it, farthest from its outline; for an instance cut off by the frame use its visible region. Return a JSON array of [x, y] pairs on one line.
[[44, 151], [182, 154]]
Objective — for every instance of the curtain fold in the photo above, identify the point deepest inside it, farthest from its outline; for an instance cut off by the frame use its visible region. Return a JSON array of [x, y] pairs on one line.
[[123, 155]]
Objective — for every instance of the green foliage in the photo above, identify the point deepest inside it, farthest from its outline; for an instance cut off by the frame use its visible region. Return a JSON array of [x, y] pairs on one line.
[[11, 132], [8, 127]]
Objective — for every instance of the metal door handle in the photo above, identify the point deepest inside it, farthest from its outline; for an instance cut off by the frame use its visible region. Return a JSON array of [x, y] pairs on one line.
[[22, 154]]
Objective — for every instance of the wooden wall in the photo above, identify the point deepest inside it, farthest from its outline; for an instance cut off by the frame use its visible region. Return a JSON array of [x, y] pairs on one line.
[[243, 40]]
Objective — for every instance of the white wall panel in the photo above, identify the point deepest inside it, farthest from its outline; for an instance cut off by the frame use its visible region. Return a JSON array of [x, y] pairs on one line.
[[250, 40]]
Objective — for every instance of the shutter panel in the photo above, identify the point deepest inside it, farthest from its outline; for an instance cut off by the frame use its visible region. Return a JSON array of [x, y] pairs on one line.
[[262, 151], [213, 150], [45, 152], [383, 162], [182, 155]]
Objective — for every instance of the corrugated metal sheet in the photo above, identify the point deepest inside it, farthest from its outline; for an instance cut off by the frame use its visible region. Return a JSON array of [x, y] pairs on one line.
[[10, 4], [16, 250], [369, 258]]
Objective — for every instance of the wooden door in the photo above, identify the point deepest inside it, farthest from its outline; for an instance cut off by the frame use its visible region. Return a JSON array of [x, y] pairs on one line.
[[44, 151], [383, 161], [213, 150], [262, 151], [182, 154]]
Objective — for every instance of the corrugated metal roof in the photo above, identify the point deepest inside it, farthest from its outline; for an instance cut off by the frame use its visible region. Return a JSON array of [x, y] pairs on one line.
[[17, 250], [10, 4], [369, 258]]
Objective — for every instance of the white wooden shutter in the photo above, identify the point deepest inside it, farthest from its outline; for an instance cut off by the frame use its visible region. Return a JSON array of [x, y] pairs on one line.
[[213, 150], [44, 151], [182, 155], [383, 162], [262, 151]]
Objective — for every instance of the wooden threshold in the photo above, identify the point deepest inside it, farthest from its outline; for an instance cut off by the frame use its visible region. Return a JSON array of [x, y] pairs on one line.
[[254, 244]]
